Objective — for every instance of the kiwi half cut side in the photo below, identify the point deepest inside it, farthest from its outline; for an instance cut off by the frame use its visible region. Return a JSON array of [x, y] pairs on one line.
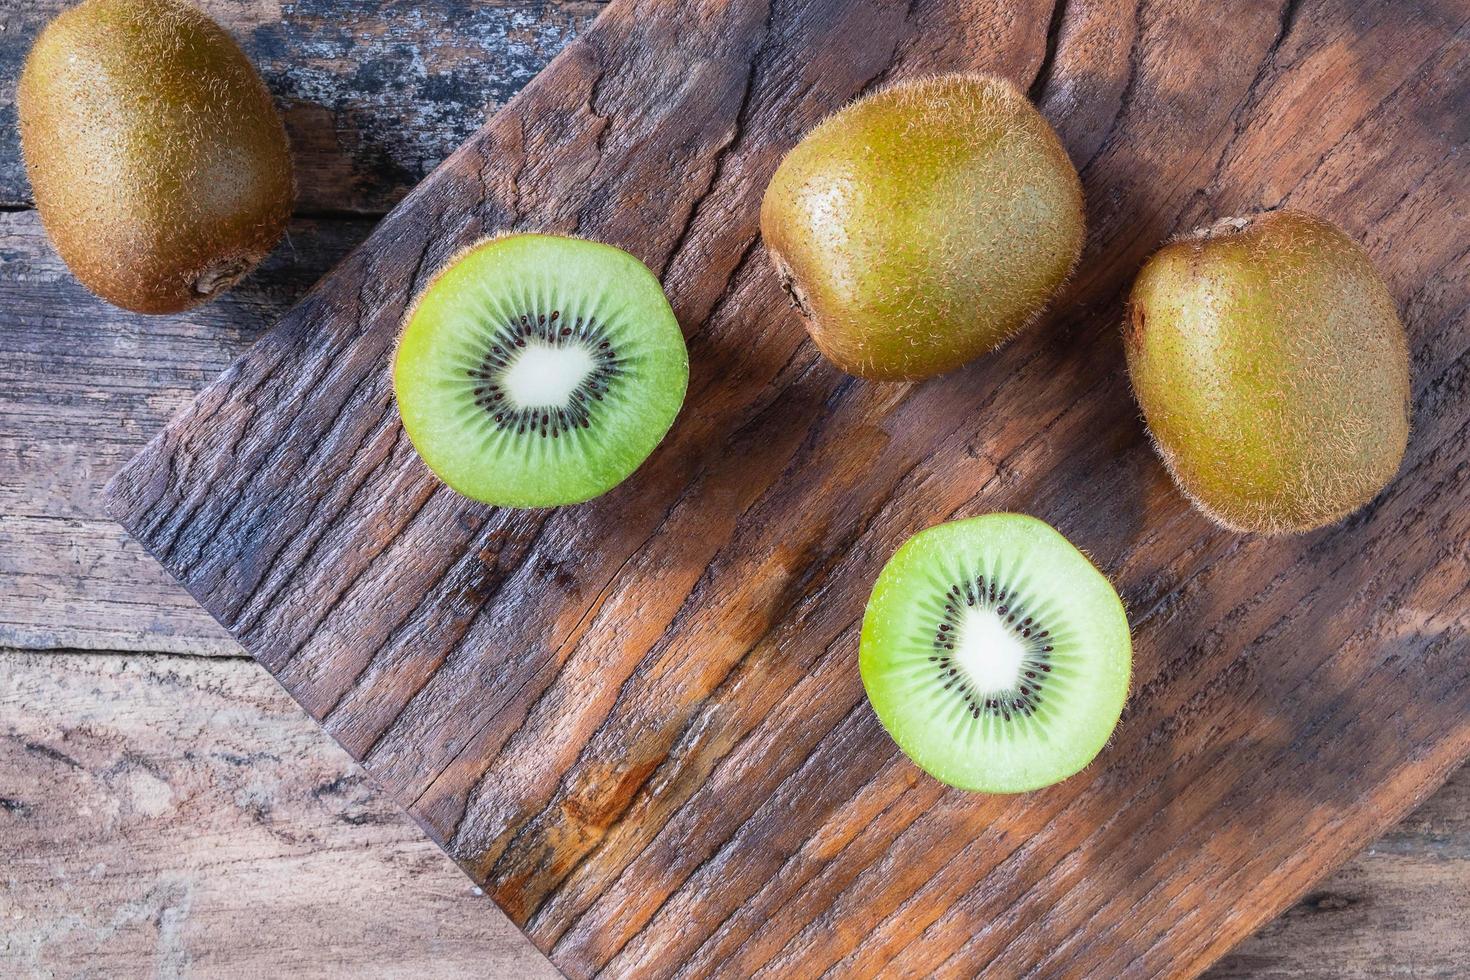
[[537, 370], [996, 654]]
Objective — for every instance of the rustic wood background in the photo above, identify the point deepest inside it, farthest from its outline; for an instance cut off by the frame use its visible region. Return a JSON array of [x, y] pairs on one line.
[[132, 769]]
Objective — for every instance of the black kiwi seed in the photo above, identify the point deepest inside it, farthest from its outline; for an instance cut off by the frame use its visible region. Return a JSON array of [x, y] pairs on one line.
[[543, 422], [1024, 699]]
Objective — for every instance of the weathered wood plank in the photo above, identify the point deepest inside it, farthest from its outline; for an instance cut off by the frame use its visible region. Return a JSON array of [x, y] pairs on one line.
[[82, 385], [67, 583], [637, 720], [163, 816], [374, 93], [1401, 908], [150, 805]]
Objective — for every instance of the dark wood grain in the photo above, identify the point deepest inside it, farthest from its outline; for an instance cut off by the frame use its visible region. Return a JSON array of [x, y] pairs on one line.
[[638, 721]]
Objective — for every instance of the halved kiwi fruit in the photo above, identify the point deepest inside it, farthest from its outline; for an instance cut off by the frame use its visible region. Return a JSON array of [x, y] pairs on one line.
[[537, 370], [996, 654]]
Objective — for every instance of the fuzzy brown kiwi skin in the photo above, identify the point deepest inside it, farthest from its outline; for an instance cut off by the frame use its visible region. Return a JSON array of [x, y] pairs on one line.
[[159, 164], [924, 225], [1273, 372]]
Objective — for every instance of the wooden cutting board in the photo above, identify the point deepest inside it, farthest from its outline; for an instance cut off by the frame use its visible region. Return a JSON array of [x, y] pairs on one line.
[[638, 722]]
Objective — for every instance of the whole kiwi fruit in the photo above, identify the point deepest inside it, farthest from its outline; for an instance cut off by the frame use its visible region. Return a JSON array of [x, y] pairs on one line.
[[1273, 371], [924, 224], [159, 164]]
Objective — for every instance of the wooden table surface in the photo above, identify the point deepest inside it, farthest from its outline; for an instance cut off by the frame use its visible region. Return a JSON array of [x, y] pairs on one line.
[[164, 808]]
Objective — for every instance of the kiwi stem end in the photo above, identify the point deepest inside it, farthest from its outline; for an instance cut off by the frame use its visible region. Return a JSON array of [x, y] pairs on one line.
[[221, 276], [789, 286]]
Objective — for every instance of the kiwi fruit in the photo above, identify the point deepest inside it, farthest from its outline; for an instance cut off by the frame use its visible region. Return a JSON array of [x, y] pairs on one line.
[[159, 164], [995, 654], [1272, 369], [924, 225], [536, 370]]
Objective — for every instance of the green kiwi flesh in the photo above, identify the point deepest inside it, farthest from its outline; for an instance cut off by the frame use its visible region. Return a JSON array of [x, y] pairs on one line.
[[924, 225], [158, 161], [1272, 368], [537, 370], [995, 654]]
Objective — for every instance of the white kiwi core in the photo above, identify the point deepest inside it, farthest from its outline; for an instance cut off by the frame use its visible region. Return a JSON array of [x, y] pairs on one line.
[[989, 651], [543, 376]]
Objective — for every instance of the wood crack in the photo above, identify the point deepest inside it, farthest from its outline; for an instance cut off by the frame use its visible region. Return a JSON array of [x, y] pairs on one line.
[[351, 583], [1130, 87], [161, 655], [323, 521], [471, 552], [818, 867], [326, 434], [738, 127], [1409, 79], [1249, 101], [518, 174], [715, 852], [341, 597], [1041, 82]]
